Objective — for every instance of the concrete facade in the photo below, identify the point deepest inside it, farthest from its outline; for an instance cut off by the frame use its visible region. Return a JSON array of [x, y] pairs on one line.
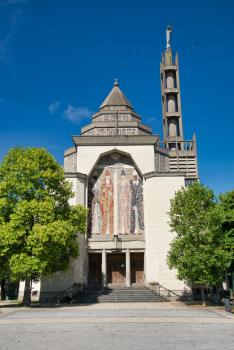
[[127, 176]]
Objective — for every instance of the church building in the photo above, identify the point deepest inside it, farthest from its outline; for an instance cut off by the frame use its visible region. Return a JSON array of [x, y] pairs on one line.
[[126, 176]]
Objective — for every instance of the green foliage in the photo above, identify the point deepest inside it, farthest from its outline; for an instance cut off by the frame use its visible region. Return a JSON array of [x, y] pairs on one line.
[[5, 270], [227, 207], [198, 249], [37, 225]]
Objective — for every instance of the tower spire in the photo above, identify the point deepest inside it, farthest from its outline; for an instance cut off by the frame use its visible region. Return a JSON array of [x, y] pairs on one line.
[[170, 90]]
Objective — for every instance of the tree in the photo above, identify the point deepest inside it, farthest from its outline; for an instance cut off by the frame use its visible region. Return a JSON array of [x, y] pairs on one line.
[[227, 207], [198, 249], [38, 227]]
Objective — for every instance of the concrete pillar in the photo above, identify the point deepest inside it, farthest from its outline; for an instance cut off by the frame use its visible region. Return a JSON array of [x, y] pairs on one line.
[[155, 287], [172, 131], [168, 57], [172, 127], [128, 269], [171, 103], [104, 269], [170, 80]]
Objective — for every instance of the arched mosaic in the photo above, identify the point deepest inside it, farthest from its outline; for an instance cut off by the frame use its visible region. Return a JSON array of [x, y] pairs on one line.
[[115, 197]]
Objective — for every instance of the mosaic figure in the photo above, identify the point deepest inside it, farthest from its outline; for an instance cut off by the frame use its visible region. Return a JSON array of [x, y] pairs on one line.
[[90, 199], [96, 222], [137, 209], [124, 204], [107, 204]]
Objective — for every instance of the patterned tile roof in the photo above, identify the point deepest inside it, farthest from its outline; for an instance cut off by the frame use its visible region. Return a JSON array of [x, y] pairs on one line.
[[116, 98]]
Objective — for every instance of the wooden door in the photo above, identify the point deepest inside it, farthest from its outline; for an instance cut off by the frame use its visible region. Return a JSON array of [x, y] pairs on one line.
[[95, 268], [116, 269], [137, 267]]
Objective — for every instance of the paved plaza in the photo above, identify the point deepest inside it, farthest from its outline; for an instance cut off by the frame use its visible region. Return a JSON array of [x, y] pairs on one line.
[[116, 326]]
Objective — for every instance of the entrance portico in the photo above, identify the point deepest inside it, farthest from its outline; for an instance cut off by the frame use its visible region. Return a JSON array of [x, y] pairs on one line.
[[116, 268]]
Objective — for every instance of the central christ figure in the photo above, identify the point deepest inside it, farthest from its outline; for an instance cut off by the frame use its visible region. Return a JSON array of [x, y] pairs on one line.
[[107, 204], [124, 205]]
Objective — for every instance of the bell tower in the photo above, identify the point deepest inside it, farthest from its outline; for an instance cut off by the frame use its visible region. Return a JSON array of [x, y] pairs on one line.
[[171, 101], [182, 153]]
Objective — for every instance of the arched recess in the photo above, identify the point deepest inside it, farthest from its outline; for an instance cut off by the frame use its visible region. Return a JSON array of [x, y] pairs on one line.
[[115, 196], [104, 154]]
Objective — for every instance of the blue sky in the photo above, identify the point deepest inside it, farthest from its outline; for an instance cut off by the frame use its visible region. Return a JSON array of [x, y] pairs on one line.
[[59, 59]]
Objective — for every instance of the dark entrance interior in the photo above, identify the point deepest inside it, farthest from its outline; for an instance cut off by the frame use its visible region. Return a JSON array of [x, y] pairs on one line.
[[95, 268], [116, 269], [137, 267], [11, 291]]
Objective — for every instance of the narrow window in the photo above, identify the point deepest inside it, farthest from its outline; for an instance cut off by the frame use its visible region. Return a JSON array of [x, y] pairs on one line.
[[178, 128]]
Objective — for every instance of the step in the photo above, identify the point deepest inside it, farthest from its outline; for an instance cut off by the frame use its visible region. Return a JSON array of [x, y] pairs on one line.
[[120, 295], [110, 298], [118, 301], [119, 292]]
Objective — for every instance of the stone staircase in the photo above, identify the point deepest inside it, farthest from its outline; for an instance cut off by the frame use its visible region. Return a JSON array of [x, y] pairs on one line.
[[126, 295]]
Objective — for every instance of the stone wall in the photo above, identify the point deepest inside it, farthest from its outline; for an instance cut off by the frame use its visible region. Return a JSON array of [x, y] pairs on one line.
[[143, 156], [58, 282], [111, 131], [161, 162], [111, 118], [159, 191], [70, 163]]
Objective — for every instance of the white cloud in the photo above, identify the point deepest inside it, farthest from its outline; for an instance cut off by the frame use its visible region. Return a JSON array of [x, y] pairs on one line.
[[77, 114], [15, 15], [53, 107], [153, 119]]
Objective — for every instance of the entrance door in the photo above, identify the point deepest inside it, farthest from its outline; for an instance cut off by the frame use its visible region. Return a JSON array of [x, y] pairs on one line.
[[116, 269], [137, 267], [95, 268]]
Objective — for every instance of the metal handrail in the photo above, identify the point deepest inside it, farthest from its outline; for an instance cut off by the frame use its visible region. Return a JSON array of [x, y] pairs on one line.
[[169, 290], [63, 291]]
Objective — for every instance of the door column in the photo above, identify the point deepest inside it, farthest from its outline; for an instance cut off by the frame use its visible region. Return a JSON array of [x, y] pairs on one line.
[[128, 269], [104, 268]]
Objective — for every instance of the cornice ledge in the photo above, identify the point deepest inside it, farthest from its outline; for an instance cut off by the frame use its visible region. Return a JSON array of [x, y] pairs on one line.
[[75, 175], [69, 151], [164, 174], [115, 140]]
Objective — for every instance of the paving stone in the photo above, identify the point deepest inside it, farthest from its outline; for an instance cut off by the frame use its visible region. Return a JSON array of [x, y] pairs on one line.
[[122, 335], [111, 314]]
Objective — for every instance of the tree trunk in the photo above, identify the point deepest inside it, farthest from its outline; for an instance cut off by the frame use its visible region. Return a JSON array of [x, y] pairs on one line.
[[3, 289], [27, 292], [203, 295]]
